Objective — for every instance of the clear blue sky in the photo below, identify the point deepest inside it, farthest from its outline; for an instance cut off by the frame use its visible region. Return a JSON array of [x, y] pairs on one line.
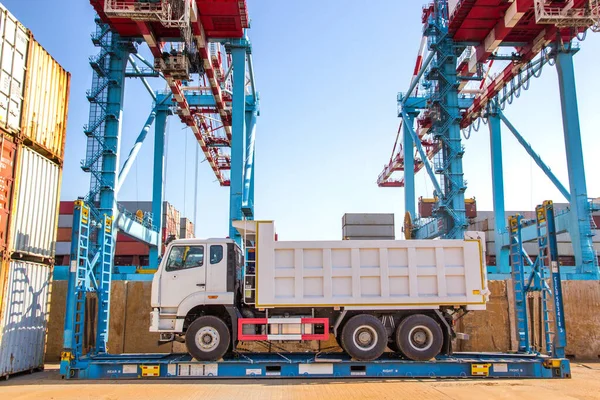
[[328, 73]]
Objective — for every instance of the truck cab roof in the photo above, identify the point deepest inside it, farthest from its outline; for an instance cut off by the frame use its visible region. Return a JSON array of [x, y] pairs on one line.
[[193, 241]]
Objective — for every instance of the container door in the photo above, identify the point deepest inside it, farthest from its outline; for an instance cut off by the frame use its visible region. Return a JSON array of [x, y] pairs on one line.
[[184, 273]]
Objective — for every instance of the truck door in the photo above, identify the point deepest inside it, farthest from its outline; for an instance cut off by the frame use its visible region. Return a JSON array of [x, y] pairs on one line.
[[184, 274]]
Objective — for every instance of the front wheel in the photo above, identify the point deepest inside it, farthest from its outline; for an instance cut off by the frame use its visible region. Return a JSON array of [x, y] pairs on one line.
[[364, 337], [207, 338], [419, 337]]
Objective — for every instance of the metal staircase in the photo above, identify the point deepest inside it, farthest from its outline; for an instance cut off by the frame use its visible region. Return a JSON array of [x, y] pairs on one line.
[[446, 124], [103, 274], [544, 279], [250, 266], [518, 281]]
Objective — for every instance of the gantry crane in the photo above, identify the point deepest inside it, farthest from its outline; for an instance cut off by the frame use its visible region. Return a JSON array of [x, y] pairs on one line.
[[201, 50], [475, 57]]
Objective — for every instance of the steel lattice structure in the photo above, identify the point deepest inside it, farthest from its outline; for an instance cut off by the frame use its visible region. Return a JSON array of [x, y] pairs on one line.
[[475, 57]]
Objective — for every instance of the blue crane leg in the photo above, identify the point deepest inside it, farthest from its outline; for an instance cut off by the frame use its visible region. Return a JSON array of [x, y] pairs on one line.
[[498, 192], [160, 126], [409, 167], [581, 234], [238, 123]]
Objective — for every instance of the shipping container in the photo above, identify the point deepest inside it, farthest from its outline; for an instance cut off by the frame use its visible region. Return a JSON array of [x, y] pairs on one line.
[[24, 317], [15, 43], [63, 248], [187, 229], [45, 104], [367, 219], [131, 249], [66, 207], [8, 152], [426, 207], [64, 234], [35, 209], [65, 221], [368, 230]]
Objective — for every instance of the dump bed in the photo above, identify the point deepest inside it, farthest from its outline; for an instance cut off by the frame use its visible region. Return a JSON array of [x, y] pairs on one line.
[[368, 274]]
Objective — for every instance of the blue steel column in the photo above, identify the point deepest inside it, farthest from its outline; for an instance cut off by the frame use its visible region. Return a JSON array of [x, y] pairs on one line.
[[446, 127], [502, 265], [581, 234], [409, 166], [112, 130], [238, 55], [248, 195], [160, 126]]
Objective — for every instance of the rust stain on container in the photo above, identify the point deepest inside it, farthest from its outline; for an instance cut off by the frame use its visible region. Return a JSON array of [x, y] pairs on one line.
[[8, 153], [45, 104]]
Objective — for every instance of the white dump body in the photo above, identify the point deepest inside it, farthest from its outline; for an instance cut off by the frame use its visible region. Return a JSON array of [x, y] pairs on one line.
[[368, 274]]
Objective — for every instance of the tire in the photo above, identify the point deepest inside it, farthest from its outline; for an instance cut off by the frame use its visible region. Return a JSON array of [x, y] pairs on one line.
[[207, 338], [364, 337], [419, 337]]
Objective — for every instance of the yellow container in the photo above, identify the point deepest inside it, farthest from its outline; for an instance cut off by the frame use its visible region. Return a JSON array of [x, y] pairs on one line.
[[45, 104]]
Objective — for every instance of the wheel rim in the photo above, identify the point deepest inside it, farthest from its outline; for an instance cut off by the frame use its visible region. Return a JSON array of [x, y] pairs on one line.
[[365, 337], [420, 338], [207, 338]]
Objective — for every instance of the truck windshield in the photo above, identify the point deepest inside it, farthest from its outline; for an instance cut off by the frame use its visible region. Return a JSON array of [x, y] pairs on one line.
[[184, 257]]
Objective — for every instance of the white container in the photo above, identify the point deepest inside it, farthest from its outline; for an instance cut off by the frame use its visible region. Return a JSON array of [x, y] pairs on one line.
[[65, 221], [399, 274], [368, 230], [63, 248], [25, 309], [367, 219], [35, 210], [13, 53]]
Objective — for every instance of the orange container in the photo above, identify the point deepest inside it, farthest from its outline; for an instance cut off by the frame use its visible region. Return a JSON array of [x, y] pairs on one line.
[[64, 235]]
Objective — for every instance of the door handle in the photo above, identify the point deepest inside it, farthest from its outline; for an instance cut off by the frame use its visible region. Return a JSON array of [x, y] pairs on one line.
[[200, 284]]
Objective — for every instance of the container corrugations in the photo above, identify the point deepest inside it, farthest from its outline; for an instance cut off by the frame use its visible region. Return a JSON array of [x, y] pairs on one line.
[[186, 229], [35, 209], [45, 104], [367, 219], [368, 230], [15, 43], [24, 316], [8, 153]]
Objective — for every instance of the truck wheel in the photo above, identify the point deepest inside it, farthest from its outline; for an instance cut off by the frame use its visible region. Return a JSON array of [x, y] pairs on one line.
[[207, 338], [364, 337], [419, 337]]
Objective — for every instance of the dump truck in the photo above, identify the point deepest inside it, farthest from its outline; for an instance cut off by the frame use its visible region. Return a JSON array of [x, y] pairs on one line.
[[370, 295]]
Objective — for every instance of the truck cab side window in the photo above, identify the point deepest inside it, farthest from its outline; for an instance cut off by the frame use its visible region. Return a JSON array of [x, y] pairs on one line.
[[184, 257], [216, 254]]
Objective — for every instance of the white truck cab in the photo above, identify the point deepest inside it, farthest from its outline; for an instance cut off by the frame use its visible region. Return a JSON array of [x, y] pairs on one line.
[[193, 273]]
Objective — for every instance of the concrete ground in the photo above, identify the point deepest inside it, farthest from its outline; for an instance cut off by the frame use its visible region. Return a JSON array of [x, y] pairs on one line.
[[585, 384]]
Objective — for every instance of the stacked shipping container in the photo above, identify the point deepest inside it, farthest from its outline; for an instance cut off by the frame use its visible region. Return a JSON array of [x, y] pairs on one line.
[[187, 229], [34, 92], [368, 227]]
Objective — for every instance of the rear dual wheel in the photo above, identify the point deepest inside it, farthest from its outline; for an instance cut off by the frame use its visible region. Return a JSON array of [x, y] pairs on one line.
[[419, 337]]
